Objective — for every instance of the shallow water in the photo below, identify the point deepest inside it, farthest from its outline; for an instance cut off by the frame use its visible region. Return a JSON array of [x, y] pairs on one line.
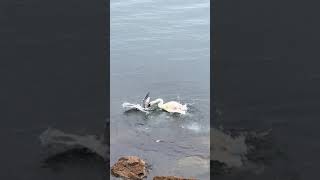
[[161, 47]]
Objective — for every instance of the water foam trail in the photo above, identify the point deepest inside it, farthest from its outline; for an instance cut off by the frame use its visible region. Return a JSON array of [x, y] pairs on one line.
[[128, 106]]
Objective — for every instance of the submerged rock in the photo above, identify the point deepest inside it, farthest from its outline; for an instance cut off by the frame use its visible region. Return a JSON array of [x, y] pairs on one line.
[[171, 178], [130, 167]]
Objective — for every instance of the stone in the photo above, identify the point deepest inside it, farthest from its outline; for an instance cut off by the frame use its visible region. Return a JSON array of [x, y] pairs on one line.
[[171, 178], [130, 167]]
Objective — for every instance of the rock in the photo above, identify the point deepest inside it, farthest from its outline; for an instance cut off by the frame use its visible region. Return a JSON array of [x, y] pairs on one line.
[[130, 167], [171, 178]]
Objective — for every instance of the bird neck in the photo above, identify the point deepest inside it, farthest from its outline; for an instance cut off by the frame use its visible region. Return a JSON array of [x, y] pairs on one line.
[[160, 102]]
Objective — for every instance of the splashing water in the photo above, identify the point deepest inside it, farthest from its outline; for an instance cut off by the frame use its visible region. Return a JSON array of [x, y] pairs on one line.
[[58, 142], [128, 106], [193, 126]]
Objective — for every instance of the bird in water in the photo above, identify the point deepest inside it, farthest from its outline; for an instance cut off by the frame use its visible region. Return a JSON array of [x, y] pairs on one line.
[[146, 101], [171, 106]]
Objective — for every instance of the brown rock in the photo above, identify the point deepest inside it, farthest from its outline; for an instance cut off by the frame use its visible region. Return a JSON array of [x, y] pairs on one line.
[[130, 167], [171, 178]]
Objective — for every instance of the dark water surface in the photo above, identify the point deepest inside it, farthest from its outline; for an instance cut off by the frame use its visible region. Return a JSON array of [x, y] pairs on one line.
[[268, 77], [53, 73], [161, 47]]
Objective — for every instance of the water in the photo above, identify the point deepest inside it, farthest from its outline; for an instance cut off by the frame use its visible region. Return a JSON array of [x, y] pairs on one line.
[[161, 47], [52, 74], [269, 78]]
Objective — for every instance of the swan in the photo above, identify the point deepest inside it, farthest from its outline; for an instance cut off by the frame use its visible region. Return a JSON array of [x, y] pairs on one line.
[[171, 106]]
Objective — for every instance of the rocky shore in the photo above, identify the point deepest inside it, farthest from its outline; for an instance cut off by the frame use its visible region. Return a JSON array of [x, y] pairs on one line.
[[135, 168]]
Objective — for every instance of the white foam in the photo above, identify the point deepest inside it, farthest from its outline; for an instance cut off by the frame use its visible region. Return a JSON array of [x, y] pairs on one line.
[[193, 126], [128, 106]]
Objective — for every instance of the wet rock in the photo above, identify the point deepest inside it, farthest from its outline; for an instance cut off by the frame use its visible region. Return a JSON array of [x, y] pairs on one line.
[[130, 167], [171, 178]]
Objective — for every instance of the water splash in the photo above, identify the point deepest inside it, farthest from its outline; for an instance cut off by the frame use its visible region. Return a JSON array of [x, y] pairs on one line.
[[193, 126], [239, 149], [129, 106], [58, 142]]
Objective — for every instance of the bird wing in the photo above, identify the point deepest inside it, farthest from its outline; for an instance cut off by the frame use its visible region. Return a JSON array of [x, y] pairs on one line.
[[146, 101]]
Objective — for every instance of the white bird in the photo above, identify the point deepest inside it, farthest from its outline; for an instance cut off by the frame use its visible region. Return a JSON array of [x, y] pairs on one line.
[[171, 106]]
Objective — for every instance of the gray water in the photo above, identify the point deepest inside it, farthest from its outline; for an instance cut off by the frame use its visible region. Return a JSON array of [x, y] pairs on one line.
[[161, 47]]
